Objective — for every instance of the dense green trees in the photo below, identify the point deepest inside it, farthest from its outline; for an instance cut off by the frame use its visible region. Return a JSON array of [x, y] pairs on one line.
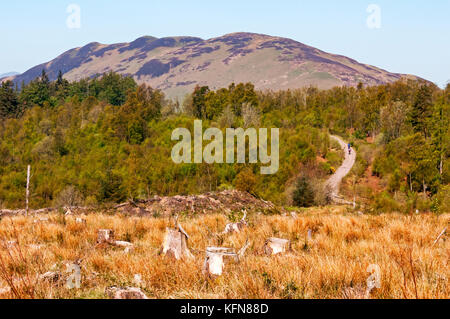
[[107, 139], [207, 104]]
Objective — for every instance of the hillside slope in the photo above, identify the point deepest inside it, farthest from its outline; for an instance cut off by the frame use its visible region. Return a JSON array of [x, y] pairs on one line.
[[177, 64]]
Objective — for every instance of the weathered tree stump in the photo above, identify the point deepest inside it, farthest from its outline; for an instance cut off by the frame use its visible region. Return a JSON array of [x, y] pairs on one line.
[[214, 263], [175, 243], [105, 236], [274, 246], [236, 227]]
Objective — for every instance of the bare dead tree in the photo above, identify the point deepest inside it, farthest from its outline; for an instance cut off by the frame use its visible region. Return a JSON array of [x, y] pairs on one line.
[[28, 190]]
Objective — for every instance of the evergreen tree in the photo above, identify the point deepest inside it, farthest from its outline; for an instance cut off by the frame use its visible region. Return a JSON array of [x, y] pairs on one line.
[[9, 104], [199, 101], [422, 110], [303, 194]]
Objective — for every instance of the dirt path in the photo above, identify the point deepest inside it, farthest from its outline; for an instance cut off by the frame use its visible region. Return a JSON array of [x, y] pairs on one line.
[[335, 180]]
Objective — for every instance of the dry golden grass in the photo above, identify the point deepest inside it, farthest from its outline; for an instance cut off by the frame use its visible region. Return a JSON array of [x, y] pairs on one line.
[[333, 265]]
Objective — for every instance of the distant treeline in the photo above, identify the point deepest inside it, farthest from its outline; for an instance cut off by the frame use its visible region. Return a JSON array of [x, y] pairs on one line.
[[107, 139]]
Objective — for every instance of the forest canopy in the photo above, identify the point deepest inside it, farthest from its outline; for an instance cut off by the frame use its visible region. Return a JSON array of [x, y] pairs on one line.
[[108, 139]]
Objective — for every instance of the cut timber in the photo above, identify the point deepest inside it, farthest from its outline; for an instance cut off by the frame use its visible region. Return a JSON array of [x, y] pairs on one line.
[[274, 246], [105, 236], [175, 243]]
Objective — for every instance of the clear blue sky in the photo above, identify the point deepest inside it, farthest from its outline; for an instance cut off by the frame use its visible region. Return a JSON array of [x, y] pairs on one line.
[[414, 36]]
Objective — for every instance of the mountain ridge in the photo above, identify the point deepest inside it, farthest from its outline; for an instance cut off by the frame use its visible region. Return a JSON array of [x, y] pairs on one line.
[[8, 74], [177, 64]]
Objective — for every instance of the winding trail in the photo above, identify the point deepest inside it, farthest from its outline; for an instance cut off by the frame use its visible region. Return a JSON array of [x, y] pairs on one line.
[[335, 181]]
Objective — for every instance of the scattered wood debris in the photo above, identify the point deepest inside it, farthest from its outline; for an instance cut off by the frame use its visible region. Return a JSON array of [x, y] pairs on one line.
[[213, 202]]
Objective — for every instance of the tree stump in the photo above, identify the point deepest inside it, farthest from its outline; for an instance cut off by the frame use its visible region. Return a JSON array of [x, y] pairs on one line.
[[175, 243], [214, 263], [105, 236], [274, 246]]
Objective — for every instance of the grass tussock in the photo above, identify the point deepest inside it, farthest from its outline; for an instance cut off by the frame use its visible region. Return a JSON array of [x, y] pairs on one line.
[[331, 264]]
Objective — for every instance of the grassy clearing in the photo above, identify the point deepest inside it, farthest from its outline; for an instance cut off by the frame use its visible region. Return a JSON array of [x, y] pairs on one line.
[[343, 245]]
